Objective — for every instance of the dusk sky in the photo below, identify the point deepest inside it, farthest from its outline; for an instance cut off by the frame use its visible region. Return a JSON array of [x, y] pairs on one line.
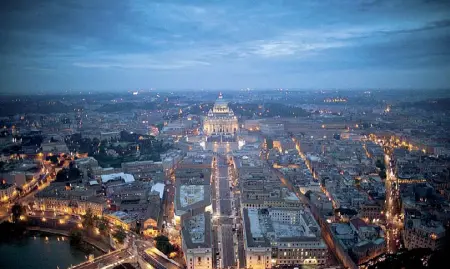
[[118, 45]]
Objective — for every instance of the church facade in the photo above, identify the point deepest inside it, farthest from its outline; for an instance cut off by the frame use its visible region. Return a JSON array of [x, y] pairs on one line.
[[220, 120], [221, 128]]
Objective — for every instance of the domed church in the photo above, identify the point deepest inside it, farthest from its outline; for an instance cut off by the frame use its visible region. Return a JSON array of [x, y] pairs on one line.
[[220, 120]]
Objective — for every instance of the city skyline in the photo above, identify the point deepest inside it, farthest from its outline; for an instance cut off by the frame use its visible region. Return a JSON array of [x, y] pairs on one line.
[[269, 179], [52, 47]]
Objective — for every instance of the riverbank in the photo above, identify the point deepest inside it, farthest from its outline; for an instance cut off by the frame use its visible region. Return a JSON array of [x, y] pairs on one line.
[[105, 248]]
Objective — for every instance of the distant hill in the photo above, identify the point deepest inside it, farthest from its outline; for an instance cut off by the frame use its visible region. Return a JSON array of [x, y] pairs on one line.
[[12, 108], [126, 106]]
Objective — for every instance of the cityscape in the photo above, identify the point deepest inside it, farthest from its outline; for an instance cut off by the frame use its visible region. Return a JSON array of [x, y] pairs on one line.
[[342, 170]]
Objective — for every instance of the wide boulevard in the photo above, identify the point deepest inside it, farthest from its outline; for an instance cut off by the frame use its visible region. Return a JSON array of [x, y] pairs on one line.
[[224, 212]]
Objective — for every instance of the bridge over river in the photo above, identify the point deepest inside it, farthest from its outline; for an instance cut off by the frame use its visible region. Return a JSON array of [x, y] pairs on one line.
[[139, 251]]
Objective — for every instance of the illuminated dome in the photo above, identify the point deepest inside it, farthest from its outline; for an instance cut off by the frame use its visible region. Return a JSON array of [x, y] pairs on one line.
[[221, 106]]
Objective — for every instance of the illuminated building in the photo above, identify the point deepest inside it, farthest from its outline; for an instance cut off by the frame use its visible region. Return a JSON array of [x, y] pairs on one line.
[[75, 200], [144, 169], [71, 206], [193, 193], [122, 219], [197, 240], [7, 191], [221, 119], [420, 231], [221, 127], [281, 236]]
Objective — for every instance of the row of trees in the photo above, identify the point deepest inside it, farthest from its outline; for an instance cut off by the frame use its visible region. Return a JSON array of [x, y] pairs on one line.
[[97, 148], [68, 174], [163, 244], [268, 110], [91, 222], [14, 229]]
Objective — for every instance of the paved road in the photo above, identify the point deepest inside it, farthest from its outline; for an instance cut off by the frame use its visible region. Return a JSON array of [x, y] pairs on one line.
[[224, 191], [157, 261], [226, 245], [105, 261], [392, 209], [145, 249], [168, 205], [240, 233], [142, 248]]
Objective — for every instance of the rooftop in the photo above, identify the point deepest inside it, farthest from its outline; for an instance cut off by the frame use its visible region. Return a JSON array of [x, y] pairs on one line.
[[196, 231], [159, 187], [263, 226], [86, 160], [199, 159], [125, 217], [196, 228], [191, 194], [190, 197], [128, 178], [291, 196]]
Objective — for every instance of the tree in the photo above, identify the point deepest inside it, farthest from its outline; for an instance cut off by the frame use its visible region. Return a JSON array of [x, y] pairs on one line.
[[160, 126], [119, 234], [103, 146], [88, 219], [16, 210], [68, 174], [11, 231], [101, 225], [163, 244], [308, 194], [380, 165], [53, 159], [75, 237]]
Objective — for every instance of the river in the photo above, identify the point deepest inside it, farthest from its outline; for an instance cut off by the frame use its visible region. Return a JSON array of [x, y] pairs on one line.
[[43, 251]]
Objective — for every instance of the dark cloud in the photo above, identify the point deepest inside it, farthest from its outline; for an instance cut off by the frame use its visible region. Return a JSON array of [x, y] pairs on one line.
[[257, 40]]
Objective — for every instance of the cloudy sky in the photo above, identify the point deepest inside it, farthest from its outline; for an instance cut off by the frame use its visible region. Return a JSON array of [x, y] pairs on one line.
[[54, 45]]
